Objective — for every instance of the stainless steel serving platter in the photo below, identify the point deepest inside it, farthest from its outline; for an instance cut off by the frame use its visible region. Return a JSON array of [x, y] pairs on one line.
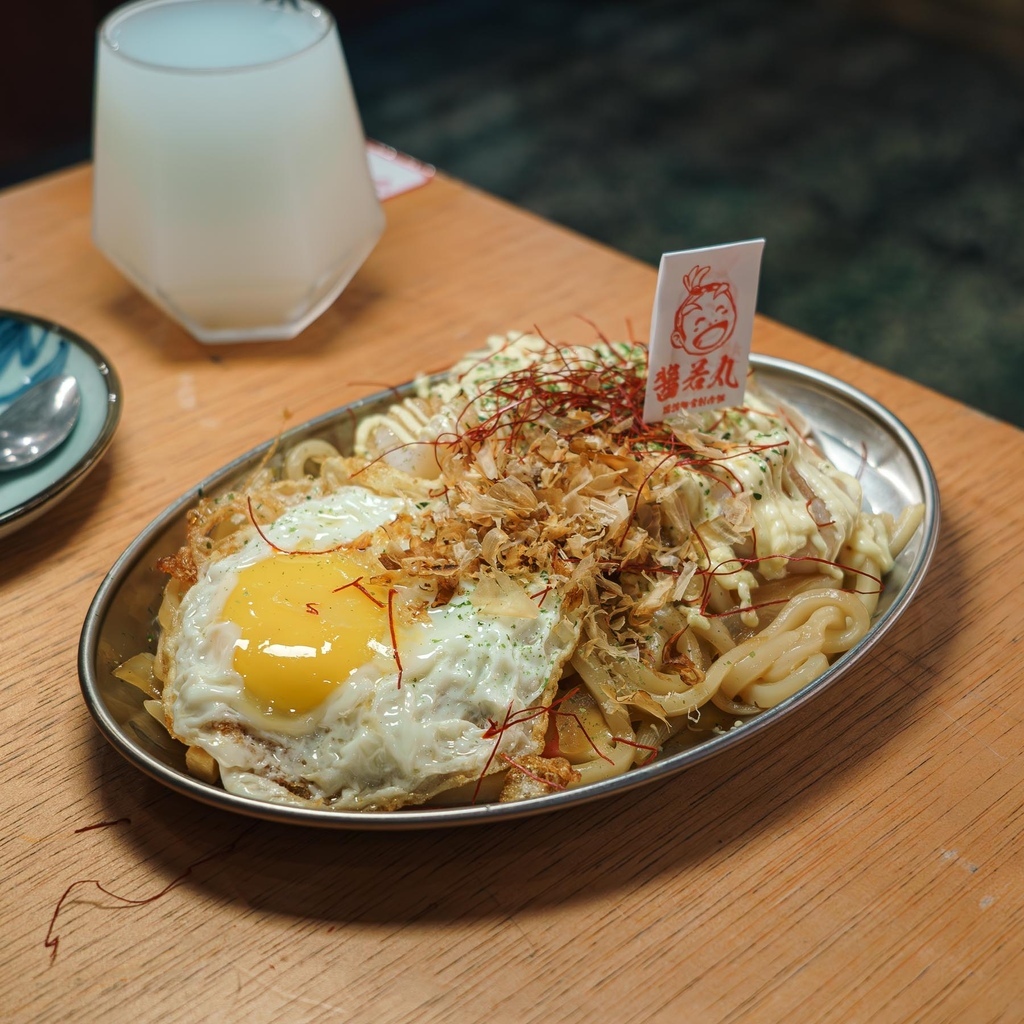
[[860, 436]]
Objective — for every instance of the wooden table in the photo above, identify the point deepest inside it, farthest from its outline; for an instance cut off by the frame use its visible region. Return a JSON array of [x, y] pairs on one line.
[[861, 862]]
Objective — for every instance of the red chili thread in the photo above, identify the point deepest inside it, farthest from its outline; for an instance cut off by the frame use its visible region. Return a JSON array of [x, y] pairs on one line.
[[597, 750], [528, 714], [639, 492], [495, 732], [745, 562], [608, 389], [285, 551], [640, 746], [705, 594], [490, 757], [526, 771], [312, 608], [435, 443], [52, 940], [394, 635], [358, 584], [525, 714], [716, 424], [783, 415], [821, 526], [597, 330], [485, 357]]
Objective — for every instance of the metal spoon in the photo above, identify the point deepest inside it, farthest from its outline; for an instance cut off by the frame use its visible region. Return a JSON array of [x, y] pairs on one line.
[[38, 421]]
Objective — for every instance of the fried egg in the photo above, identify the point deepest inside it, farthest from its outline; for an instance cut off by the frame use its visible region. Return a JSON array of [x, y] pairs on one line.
[[311, 684]]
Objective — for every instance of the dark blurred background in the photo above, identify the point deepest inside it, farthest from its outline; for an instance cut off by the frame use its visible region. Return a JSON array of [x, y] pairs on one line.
[[878, 145]]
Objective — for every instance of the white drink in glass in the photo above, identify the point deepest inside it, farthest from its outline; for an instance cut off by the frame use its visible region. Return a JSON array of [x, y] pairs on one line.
[[231, 180]]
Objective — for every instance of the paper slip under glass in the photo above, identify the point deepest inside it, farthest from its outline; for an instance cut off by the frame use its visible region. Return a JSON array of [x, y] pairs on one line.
[[394, 173], [701, 328]]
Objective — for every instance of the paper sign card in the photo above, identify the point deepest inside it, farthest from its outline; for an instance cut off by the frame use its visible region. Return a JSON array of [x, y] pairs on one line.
[[701, 328], [394, 173]]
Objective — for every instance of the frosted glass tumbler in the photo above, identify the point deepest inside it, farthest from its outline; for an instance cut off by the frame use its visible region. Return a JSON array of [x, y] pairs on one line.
[[231, 180]]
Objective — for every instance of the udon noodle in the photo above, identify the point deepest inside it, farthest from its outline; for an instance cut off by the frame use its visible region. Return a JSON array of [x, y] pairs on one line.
[[711, 565]]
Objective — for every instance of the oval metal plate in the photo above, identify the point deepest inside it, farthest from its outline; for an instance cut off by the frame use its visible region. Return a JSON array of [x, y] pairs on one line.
[[859, 435]]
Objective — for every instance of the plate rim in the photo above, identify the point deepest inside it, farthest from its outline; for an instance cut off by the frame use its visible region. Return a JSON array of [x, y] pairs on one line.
[[24, 512], [465, 815]]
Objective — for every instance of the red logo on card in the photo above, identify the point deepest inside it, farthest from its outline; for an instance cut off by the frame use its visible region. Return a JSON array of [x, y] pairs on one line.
[[707, 317]]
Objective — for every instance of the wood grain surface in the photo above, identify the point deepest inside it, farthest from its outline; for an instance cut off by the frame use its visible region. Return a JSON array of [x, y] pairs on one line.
[[860, 862]]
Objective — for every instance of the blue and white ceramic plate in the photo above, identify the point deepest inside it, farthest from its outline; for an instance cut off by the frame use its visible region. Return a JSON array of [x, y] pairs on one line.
[[32, 349]]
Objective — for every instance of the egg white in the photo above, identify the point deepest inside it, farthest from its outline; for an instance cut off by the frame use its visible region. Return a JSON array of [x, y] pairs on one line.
[[372, 743]]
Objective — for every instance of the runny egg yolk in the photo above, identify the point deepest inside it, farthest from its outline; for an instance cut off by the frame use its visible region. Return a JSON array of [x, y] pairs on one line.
[[307, 621]]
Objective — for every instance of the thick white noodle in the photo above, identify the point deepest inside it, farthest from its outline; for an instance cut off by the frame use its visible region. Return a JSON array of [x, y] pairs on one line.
[[312, 450], [791, 651]]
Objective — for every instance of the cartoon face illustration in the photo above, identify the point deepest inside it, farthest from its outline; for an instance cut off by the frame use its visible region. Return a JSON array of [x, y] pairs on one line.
[[706, 318]]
